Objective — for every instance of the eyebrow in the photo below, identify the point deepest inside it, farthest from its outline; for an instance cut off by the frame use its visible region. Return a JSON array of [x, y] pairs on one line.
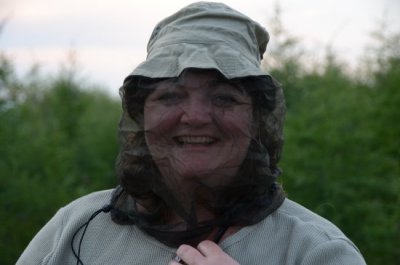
[[232, 84]]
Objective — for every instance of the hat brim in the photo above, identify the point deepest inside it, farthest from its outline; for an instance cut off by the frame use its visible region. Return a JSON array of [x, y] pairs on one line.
[[171, 60]]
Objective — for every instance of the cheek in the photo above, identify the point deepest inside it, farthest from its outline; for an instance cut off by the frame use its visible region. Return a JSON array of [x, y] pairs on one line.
[[158, 123], [239, 124]]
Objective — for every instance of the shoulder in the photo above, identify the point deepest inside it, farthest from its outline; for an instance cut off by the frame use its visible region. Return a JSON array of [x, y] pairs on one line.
[[83, 207], [54, 239], [79, 211], [92, 201], [315, 239], [292, 214], [304, 224], [293, 235]]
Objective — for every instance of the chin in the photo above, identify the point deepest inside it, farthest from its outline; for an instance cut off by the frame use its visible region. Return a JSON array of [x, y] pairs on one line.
[[210, 176]]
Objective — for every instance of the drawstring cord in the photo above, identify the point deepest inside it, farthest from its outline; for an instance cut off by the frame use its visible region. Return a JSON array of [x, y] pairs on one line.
[[85, 226]]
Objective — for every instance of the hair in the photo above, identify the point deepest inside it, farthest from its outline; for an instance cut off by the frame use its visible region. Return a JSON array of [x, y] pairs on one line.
[[249, 197]]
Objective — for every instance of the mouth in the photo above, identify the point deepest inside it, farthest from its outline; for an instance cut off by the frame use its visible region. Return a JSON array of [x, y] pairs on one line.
[[194, 140]]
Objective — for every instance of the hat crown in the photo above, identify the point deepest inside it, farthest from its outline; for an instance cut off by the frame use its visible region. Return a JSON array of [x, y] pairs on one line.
[[205, 35], [208, 22]]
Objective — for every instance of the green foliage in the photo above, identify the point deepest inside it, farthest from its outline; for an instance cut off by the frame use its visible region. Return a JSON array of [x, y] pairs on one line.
[[57, 142], [342, 151]]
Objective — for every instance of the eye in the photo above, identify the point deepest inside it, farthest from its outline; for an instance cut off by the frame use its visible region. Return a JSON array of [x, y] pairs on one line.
[[169, 98], [225, 100]]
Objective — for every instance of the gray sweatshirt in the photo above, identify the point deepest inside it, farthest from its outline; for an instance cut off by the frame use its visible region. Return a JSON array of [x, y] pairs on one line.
[[291, 235]]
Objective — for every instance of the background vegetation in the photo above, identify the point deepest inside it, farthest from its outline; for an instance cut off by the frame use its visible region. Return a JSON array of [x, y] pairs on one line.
[[341, 158]]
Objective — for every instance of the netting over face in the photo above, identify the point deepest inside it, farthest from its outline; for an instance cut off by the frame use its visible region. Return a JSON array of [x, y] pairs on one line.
[[159, 201]]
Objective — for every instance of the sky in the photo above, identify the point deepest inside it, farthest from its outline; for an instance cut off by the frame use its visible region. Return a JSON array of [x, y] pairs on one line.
[[108, 38]]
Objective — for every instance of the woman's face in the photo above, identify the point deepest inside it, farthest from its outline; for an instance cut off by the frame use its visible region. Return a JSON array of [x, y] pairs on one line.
[[198, 128]]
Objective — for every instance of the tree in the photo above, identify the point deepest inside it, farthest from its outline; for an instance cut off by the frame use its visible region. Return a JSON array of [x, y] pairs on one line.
[[58, 141]]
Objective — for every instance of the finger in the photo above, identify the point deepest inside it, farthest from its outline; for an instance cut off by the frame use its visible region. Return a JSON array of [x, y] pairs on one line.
[[178, 260], [175, 262], [213, 254], [209, 248], [189, 254]]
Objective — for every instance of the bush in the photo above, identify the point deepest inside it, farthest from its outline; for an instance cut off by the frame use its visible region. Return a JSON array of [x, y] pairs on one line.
[[58, 142]]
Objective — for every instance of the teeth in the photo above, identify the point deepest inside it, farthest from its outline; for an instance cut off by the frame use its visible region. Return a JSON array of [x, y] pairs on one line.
[[195, 140]]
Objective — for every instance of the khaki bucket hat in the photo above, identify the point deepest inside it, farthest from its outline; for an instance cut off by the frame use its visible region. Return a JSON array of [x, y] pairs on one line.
[[205, 35]]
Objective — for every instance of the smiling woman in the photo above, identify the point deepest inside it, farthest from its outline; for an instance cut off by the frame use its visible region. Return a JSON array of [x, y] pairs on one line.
[[197, 127], [201, 135]]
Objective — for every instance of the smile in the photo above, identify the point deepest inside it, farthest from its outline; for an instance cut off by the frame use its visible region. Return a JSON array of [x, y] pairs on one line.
[[195, 140]]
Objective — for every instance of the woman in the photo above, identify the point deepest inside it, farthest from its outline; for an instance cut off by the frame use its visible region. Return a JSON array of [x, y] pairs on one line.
[[201, 137]]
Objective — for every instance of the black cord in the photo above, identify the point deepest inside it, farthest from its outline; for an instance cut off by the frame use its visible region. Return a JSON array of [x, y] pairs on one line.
[[220, 233], [105, 209]]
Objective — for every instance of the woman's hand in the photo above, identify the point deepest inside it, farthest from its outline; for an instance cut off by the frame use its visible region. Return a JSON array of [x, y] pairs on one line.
[[207, 253]]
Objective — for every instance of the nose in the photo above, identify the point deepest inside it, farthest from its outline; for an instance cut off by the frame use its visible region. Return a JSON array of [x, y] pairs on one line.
[[196, 112]]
